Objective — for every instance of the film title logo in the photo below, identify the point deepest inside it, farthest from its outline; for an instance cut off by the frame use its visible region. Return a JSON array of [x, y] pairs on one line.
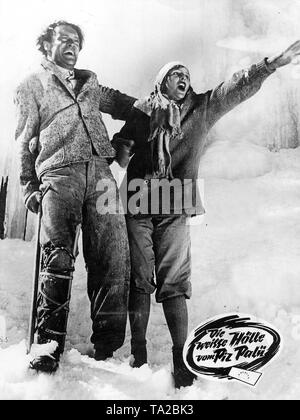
[[231, 347]]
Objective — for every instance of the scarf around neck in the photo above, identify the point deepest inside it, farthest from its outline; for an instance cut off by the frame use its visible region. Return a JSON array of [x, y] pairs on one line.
[[165, 124]]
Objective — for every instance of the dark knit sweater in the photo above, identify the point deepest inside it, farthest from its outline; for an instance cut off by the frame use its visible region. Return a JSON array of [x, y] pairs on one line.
[[199, 113]]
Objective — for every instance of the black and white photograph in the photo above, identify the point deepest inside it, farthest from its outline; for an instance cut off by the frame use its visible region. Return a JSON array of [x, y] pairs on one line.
[[150, 202]]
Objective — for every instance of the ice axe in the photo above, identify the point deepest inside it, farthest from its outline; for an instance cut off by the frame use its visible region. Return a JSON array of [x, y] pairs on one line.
[[35, 281]]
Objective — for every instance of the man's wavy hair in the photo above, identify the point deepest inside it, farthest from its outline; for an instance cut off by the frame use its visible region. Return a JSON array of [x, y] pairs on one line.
[[47, 35]]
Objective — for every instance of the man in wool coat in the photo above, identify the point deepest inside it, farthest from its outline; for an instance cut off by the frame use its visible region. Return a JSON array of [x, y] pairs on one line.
[[64, 151], [169, 129]]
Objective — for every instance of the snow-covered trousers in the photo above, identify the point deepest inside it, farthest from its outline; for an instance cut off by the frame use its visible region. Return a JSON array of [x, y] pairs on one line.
[[160, 248], [73, 198]]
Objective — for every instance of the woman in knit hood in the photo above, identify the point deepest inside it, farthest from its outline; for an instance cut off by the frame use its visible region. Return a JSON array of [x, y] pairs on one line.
[[169, 129], [163, 108]]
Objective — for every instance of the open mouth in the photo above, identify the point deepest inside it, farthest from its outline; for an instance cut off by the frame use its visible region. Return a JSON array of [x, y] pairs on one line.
[[181, 86], [69, 53]]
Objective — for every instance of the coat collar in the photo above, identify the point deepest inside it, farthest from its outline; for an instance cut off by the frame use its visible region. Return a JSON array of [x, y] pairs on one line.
[[86, 78], [187, 104], [145, 105]]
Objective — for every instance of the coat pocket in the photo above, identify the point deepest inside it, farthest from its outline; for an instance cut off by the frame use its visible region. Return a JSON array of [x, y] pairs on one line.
[[51, 145]]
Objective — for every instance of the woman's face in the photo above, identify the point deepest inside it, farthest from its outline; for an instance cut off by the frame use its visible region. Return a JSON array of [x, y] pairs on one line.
[[177, 83]]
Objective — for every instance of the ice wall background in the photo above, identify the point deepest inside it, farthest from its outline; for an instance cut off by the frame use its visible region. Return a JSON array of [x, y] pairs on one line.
[[246, 251], [128, 41]]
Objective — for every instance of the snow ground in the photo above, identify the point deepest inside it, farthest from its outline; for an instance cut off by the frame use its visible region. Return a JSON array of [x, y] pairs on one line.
[[245, 258]]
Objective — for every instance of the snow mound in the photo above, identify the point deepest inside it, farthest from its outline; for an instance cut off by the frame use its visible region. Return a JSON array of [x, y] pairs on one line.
[[245, 258], [269, 278], [232, 160]]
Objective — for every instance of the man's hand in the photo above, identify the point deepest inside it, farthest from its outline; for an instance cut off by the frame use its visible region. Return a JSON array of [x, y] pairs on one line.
[[33, 201], [123, 148], [290, 54]]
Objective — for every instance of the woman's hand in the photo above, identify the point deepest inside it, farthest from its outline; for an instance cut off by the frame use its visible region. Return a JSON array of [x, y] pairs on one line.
[[292, 53]]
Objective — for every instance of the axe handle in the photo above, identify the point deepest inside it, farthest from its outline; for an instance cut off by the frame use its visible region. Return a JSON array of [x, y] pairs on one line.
[[35, 282]]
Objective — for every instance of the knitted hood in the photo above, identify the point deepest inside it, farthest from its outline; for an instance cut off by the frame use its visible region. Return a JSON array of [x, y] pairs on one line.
[[164, 123]]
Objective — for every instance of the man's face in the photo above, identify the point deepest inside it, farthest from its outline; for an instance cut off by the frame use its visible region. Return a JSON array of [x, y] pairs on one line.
[[177, 83], [65, 46]]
